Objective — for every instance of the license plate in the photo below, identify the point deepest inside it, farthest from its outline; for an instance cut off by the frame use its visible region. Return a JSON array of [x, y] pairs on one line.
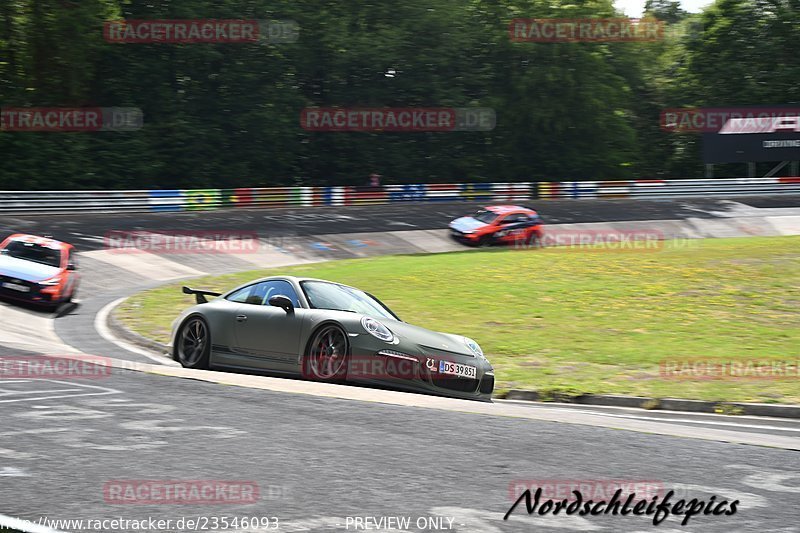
[[16, 287], [457, 369]]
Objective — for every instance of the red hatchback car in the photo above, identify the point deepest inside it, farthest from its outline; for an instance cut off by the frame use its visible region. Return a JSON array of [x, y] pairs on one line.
[[37, 270], [499, 224]]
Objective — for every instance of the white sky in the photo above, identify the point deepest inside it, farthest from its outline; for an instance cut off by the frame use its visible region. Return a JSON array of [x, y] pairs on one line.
[[634, 8]]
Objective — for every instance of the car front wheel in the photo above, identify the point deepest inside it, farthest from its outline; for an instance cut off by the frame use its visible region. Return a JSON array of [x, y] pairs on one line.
[[326, 355], [484, 241]]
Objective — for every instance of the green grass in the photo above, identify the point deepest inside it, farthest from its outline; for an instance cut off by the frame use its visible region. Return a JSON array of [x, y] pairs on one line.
[[561, 320]]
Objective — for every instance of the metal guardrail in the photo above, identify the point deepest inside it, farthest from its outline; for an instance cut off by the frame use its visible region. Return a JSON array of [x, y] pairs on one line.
[[658, 189], [37, 202], [57, 202]]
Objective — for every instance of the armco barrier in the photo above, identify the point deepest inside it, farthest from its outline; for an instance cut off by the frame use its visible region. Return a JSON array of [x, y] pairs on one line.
[[655, 189], [37, 202], [40, 202]]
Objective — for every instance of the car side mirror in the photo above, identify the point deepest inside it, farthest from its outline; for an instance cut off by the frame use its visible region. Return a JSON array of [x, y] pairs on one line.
[[71, 266], [279, 300]]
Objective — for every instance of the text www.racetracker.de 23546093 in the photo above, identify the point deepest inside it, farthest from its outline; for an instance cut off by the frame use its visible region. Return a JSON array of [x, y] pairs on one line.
[[255, 523], [196, 523]]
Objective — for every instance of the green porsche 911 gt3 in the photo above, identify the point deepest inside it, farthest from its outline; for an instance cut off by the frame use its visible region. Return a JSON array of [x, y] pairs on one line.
[[325, 331]]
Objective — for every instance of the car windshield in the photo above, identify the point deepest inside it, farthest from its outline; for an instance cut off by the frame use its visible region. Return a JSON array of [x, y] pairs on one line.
[[33, 252], [324, 295], [487, 217]]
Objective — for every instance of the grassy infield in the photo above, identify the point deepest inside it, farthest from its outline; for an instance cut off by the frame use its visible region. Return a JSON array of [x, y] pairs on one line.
[[575, 321]]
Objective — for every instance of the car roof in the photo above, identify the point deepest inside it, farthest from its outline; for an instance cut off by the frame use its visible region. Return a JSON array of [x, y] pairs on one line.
[[506, 209], [45, 242], [298, 279]]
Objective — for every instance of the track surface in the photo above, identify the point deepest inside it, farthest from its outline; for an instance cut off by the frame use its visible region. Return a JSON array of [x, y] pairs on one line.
[[83, 230], [319, 460]]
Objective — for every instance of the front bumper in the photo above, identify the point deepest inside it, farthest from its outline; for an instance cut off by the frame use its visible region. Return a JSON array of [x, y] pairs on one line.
[[416, 368], [466, 238], [35, 293]]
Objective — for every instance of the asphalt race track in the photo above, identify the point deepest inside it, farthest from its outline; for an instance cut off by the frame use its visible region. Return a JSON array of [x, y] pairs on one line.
[[75, 228], [324, 455]]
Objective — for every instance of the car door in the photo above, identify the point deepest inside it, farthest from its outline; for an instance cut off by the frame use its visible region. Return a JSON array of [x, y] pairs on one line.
[[512, 227], [267, 336]]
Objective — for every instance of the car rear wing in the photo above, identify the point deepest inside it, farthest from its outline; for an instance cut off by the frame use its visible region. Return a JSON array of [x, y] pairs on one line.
[[200, 296]]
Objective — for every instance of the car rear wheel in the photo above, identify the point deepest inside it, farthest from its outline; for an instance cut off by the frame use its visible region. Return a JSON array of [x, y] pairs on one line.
[[535, 240], [193, 344], [326, 356]]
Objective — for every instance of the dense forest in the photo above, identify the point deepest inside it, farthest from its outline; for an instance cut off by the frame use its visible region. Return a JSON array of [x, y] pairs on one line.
[[228, 115]]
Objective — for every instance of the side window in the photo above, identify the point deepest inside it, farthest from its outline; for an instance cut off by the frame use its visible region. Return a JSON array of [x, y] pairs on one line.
[[260, 293], [279, 287], [241, 295], [513, 219], [70, 258]]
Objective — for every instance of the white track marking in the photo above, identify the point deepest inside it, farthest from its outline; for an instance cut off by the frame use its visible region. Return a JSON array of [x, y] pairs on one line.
[[100, 324], [770, 480], [613, 408], [80, 387], [22, 393], [10, 471], [786, 225], [684, 420], [8, 453]]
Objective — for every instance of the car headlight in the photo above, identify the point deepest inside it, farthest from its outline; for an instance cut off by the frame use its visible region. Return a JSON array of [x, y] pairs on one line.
[[50, 282], [473, 346], [376, 329]]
